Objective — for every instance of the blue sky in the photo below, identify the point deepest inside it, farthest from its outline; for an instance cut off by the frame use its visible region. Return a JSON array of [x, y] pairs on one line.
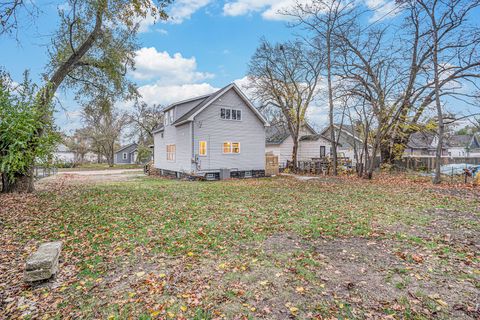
[[205, 46]]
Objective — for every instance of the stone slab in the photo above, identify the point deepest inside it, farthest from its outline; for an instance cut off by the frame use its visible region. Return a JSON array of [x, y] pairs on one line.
[[43, 263]]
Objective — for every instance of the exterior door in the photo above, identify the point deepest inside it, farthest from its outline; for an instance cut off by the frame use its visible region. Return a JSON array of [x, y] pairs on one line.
[[322, 151]]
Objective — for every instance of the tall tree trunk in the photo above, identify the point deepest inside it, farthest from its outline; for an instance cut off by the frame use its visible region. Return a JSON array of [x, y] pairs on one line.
[[23, 183], [295, 154], [330, 105], [441, 126]]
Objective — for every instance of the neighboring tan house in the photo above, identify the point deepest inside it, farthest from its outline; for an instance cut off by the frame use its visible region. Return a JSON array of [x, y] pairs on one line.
[[126, 155], [311, 144], [219, 135]]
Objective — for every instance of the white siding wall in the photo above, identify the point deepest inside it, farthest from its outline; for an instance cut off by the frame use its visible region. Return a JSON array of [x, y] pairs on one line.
[[311, 149], [64, 156], [457, 152], [181, 137], [306, 151], [183, 108], [250, 132], [283, 151]]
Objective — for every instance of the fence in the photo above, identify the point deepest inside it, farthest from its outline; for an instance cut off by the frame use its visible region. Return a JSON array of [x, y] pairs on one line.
[[42, 172], [427, 163], [271, 165]]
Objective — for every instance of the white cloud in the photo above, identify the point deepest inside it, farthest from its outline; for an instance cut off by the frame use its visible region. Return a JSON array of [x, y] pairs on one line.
[[183, 9], [166, 94], [144, 24], [273, 9], [162, 31], [382, 9], [151, 64]]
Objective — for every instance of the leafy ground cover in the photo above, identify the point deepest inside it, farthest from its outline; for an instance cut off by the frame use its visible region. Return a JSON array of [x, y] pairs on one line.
[[273, 248]]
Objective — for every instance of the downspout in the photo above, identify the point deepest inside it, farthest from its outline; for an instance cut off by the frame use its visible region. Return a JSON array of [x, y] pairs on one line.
[[193, 161]]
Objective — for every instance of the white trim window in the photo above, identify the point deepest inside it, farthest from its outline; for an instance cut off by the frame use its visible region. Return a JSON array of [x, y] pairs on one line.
[[124, 156], [168, 115], [231, 147], [202, 148], [230, 114], [171, 152]]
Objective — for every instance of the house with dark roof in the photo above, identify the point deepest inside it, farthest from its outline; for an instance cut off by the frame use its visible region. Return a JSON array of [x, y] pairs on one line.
[[217, 133], [463, 145], [126, 155], [457, 146], [312, 145], [349, 140]]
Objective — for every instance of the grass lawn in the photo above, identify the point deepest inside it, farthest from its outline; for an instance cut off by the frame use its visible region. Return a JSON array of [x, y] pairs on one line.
[[273, 248]]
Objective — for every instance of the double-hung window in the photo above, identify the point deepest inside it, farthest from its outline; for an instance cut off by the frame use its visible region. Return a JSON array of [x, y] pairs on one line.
[[202, 148], [168, 117], [230, 114], [124, 156], [170, 152], [231, 147]]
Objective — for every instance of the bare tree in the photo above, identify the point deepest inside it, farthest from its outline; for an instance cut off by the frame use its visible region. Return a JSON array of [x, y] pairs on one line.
[[11, 10], [454, 51], [286, 76], [325, 18], [144, 119], [104, 125], [79, 143]]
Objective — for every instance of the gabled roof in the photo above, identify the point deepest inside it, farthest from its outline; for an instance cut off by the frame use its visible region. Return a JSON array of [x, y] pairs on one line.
[[315, 137], [276, 134], [460, 141], [187, 101], [345, 128], [205, 101], [125, 147], [158, 128], [420, 140]]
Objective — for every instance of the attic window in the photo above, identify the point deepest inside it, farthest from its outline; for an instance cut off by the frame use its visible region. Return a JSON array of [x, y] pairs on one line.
[[124, 156], [230, 114]]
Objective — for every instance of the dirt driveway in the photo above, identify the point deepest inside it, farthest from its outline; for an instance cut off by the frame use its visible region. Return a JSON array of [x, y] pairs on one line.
[[88, 177]]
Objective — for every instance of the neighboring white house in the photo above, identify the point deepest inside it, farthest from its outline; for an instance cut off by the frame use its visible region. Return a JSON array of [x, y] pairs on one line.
[[463, 146], [455, 146], [311, 145], [212, 134], [63, 154], [348, 141]]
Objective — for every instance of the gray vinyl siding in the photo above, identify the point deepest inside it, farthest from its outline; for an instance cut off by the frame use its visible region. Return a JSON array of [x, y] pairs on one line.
[[183, 108], [250, 132], [181, 137], [118, 159]]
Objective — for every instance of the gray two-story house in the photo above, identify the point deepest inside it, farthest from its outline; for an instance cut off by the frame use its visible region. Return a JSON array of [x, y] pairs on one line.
[[216, 135]]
